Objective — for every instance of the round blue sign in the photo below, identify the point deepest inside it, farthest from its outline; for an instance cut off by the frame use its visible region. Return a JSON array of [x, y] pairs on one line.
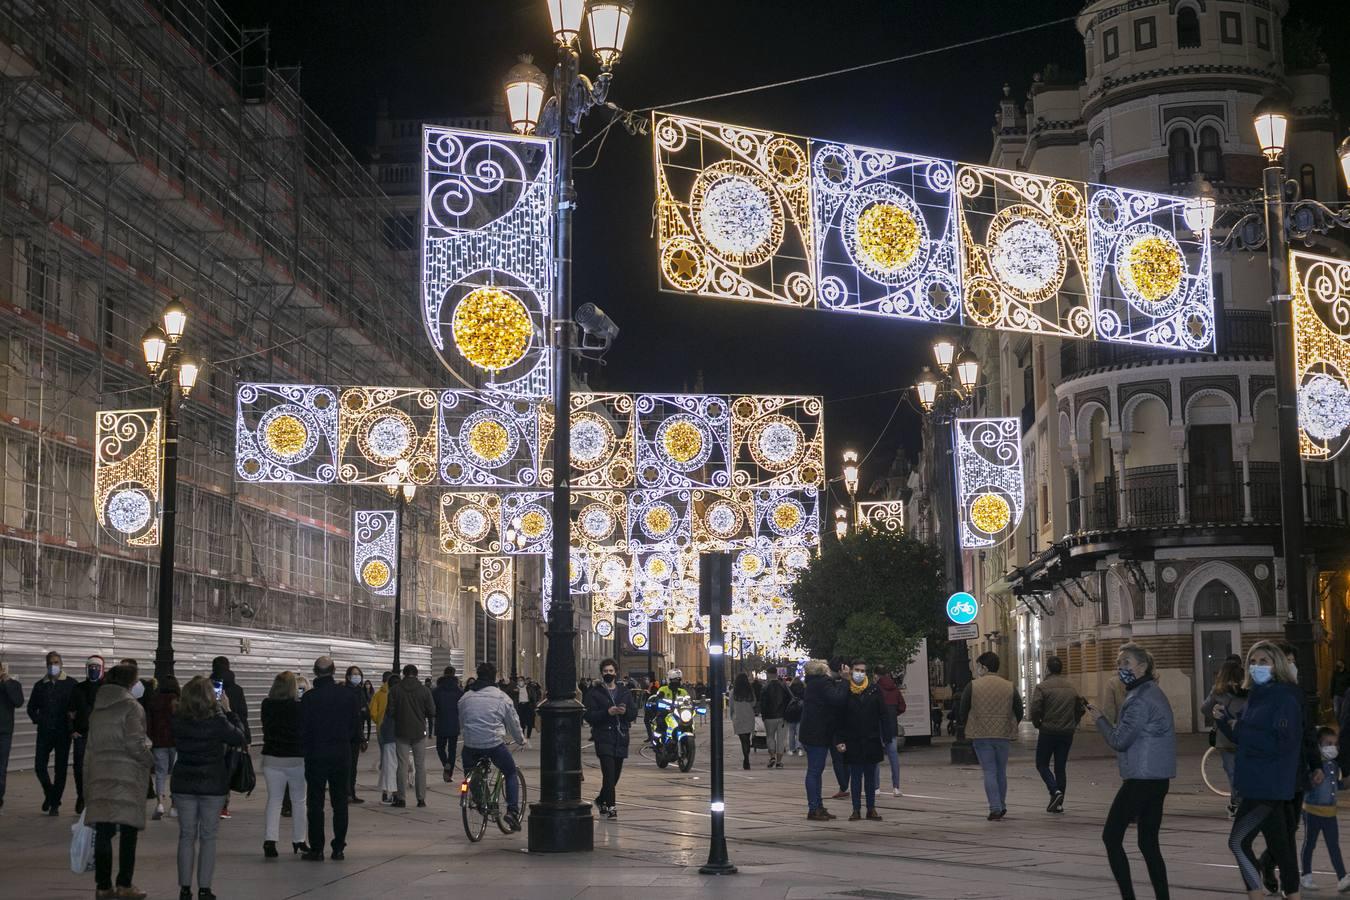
[[962, 608]]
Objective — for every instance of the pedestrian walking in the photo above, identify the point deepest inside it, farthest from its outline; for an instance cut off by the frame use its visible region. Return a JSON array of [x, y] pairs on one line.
[[894, 700], [49, 708], [610, 711], [222, 678], [822, 707], [159, 714], [446, 697], [382, 714], [204, 727], [1319, 814], [1144, 738], [1056, 708], [330, 719], [117, 761], [774, 698], [793, 717], [1269, 739], [283, 764], [989, 712], [840, 672], [1308, 774], [354, 681], [1228, 693], [862, 739], [533, 694], [1340, 683], [743, 715], [11, 699], [81, 708], [412, 706]]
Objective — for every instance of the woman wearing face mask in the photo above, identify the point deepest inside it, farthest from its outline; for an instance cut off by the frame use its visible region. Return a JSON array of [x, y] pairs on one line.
[[610, 711], [1269, 739], [1144, 738], [866, 731]]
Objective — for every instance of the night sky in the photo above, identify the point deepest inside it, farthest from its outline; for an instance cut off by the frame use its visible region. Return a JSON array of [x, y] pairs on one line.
[[448, 58]]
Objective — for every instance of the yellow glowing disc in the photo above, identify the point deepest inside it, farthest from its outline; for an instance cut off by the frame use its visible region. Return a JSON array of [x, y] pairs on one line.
[[750, 563], [286, 436], [533, 523], [375, 573], [658, 520], [683, 441], [489, 440], [492, 328], [657, 568], [888, 236], [990, 513], [1154, 266], [786, 516]]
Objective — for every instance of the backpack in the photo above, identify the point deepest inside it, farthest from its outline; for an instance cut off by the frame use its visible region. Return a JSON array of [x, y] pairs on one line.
[[792, 713]]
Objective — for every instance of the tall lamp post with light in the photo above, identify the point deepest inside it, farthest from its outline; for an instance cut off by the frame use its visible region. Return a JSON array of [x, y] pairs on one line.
[[1272, 225], [851, 486], [173, 373], [561, 822], [403, 493]]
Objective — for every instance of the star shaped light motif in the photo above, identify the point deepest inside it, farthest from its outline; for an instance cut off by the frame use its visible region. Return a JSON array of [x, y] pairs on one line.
[[684, 264]]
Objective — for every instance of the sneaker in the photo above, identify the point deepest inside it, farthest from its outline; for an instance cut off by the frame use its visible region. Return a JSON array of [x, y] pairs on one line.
[[158, 813], [818, 815], [1307, 883], [225, 814], [447, 775], [1343, 885], [895, 792], [1056, 802], [873, 816], [612, 812], [512, 820]]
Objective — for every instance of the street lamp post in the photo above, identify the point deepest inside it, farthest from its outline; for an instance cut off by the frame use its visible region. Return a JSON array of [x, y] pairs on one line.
[[561, 822], [851, 487], [403, 493], [173, 373]]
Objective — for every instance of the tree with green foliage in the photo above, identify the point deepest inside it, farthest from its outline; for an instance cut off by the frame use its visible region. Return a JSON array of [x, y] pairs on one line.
[[874, 595]]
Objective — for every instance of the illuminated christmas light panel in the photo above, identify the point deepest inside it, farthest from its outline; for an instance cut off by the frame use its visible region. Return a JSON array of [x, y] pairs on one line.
[[778, 441], [787, 517], [127, 466], [989, 481], [497, 586], [882, 515], [286, 433], [487, 255], [639, 631], [470, 522], [489, 439], [1321, 300], [659, 521], [601, 440], [683, 440], [386, 433], [530, 514], [375, 556], [599, 520], [722, 520]]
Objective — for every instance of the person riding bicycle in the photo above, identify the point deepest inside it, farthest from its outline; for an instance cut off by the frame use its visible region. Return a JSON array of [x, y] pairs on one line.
[[486, 718], [663, 702]]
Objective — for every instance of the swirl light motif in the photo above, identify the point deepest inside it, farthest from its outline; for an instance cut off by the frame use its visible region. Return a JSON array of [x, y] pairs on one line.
[[1321, 301], [388, 431], [375, 553], [497, 586], [286, 433], [127, 464], [470, 522], [989, 480], [658, 520], [598, 520], [489, 440], [882, 515], [601, 442], [779, 441], [683, 440]]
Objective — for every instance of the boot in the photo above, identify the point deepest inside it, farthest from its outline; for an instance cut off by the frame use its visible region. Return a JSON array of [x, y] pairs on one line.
[[873, 815], [269, 849]]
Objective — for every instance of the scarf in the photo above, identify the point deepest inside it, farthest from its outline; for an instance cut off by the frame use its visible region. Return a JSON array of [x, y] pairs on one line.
[[857, 688]]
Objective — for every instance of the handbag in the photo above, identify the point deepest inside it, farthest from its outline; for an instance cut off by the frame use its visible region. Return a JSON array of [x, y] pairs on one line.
[[793, 713], [240, 766], [81, 847]]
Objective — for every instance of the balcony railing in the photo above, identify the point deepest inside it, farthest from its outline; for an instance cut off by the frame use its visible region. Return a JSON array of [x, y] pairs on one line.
[[1240, 331]]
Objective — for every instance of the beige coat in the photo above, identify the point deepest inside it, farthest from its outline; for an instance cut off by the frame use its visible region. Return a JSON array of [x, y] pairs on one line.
[[117, 759], [990, 708]]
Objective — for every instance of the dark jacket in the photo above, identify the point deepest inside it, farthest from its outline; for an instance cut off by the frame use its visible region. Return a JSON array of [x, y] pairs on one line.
[[1340, 682], [82, 705], [330, 720], [447, 696], [49, 704], [1269, 739], [159, 716], [610, 733], [362, 704], [773, 699], [201, 743], [281, 728], [411, 704], [235, 694], [867, 727], [893, 698], [823, 701], [11, 698]]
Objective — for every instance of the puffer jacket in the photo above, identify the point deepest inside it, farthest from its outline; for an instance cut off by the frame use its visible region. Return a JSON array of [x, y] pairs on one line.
[[742, 716], [200, 769], [1056, 706], [990, 708], [1145, 738], [117, 759], [1269, 739], [823, 703]]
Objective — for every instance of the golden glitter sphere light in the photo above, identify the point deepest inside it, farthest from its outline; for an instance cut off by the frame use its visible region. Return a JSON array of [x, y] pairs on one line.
[[492, 328], [990, 513], [533, 523], [683, 441], [1155, 268], [888, 236], [786, 516], [489, 440], [658, 520], [286, 436], [375, 573]]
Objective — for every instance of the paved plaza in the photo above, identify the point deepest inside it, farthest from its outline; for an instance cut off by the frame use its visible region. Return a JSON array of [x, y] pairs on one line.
[[935, 841]]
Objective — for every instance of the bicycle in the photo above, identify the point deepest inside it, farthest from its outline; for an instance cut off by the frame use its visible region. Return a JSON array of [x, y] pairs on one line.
[[482, 796], [1218, 784]]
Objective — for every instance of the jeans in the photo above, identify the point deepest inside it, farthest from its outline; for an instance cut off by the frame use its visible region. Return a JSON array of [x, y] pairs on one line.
[[198, 820], [445, 752], [815, 770], [1327, 826], [840, 769], [164, 760], [281, 772], [1139, 800], [77, 745], [775, 737], [993, 756], [793, 744], [6, 742], [326, 772], [860, 775], [1268, 818], [126, 855], [47, 744], [502, 759], [1229, 759], [893, 754], [611, 767], [413, 754], [1050, 745], [389, 769]]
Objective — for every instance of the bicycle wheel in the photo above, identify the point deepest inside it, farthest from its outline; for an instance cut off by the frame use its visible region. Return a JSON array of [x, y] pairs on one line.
[[687, 753], [475, 818], [524, 801], [1211, 770]]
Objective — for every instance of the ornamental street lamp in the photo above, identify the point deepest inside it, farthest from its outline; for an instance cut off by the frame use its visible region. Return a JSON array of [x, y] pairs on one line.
[[560, 821], [850, 485], [403, 492], [173, 373], [840, 523]]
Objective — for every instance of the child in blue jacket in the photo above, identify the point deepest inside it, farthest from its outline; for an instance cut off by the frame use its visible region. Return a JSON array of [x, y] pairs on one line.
[[1319, 814]]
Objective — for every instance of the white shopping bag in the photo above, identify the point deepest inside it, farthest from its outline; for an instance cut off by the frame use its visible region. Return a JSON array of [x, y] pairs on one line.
[[81, 847]]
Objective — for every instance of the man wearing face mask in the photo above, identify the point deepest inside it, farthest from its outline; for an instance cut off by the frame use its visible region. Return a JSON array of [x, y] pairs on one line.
[[610, 711], [49, 710], [81, 705]]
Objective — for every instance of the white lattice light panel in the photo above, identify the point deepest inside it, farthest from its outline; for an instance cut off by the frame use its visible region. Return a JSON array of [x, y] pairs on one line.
[[127, 466], [1321, 290], [497, 586], [286, 433], [375, 560], [489, 440], [989, 480], [882, 515], [778, 441]]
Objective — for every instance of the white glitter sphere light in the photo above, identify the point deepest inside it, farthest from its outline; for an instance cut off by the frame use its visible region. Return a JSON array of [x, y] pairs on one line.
[[737, 216], [128, 510], [597, 522], [722, 520], [1324, 407], [604, 627], [588, 442], [471, 522], [1027, 256], [389, 437], [778, 443], [498, 603]]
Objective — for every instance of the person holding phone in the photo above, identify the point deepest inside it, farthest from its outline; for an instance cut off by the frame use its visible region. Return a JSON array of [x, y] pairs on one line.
[[610, 711], [229, 692]]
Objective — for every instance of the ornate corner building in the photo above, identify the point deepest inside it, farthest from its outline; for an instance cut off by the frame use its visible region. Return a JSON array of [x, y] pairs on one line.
[[1152, 476]]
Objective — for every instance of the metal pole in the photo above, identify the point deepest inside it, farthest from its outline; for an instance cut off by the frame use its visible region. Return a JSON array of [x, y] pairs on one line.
[[560, 822], [958, 653], [167, 535], [719, 863], [398, 578], [1298, 627]]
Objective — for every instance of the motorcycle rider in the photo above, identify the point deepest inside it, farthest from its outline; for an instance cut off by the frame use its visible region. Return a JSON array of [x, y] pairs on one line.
[[664, 701]]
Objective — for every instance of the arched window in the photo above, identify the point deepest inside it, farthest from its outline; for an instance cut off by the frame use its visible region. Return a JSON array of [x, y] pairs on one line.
[[1216, 600], [1180, 158], [1188, 28], [1098, 160], [1307, 181], [1211, 153]]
